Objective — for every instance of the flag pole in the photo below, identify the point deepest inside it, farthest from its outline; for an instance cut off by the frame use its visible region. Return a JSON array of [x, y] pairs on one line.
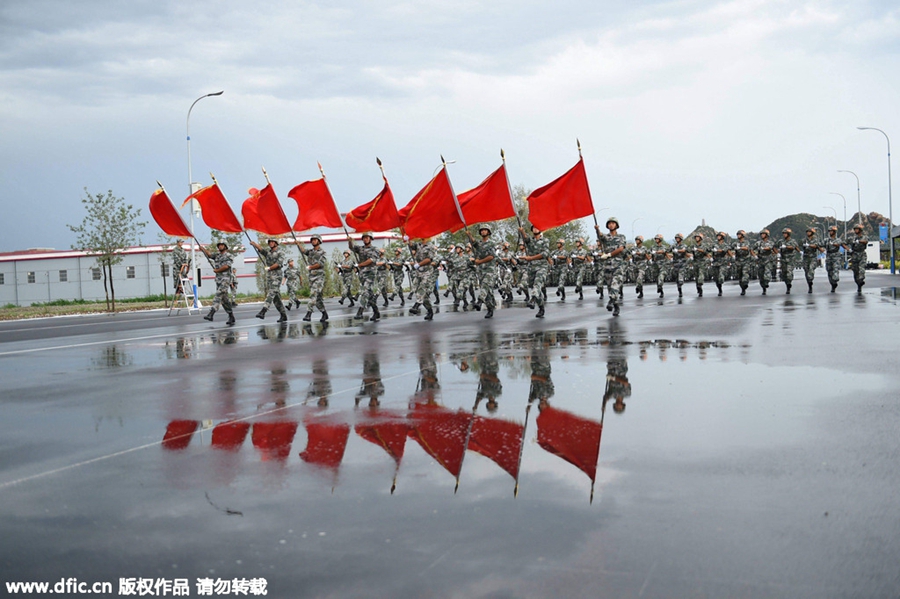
[[522, 450], [594, 214], [192, 236], [343, 226], [213, 177], [509, 187], [297, 242], [465, 448], [412, 285], [455, 199], [602, 416]]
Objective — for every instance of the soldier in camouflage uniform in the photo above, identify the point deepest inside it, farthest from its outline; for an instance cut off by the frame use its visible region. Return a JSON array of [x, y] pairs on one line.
[[640, 261], [522, 268], [788, 252], [559, 267], [833, 258], [720, 254], [486, 263], [613, 259], [456, 265], [743, 258], [857, 242], [224, 278], [702, 254], [396, 266], [765, 254], [346, 269], [318, 262], [426, 268], [470, 276], [273, 259], [598, 268], [292, 279], [505, 270], [537, 251], [381, 277], [661, 257], [811, 248], [579, 262], [681, 256], [366, 257], [181, 265]]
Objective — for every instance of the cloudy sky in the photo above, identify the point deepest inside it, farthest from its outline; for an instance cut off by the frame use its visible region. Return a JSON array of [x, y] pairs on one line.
[[734, 112]]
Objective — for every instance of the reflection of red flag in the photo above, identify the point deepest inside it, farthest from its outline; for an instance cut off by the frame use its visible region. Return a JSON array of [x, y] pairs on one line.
[[166, 216], [263, 213], [489, 201], [230, 435], [562, 200], [441, 433], [273, 439], [388, 431], [573, 438], [315, 205], [378, 215], [178, 434], [214, 209], [432, 211], [326, 442], [499, 440]]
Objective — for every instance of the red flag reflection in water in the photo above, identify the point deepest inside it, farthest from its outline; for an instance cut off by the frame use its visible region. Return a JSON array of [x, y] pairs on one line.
[[499, 440], [179, 432], [441, 433], [230, 435], [327, 440], [388, 431], [573, 438], [273, 439]]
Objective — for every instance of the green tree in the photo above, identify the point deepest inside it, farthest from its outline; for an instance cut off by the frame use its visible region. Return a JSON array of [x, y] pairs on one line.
[[110, 227]]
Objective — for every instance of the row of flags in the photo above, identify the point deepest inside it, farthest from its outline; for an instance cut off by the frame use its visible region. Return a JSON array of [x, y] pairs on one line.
[[435, 209]]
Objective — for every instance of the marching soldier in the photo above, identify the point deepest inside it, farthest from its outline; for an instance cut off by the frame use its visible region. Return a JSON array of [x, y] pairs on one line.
[[273, 260], [598, 268], [486, 263], [292, 279], [507, 260], [346, 269], [766, 253], [579, 262], [640, 260], [224, 278], [427, 269], [457, 266], [522, 271], [318, 262], [833, 258], [537, 251], [661, 257], [366, 256], [396, 266], [720, 254], [613, 260], [381, 277], [560, 264], [681, 255], [743, 257], [811, 249], [857, 243], [788, 251], [181, 264], [702, 254]]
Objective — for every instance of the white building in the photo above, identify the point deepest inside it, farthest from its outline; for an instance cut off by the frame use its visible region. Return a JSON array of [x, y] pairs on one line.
[[45, 275]]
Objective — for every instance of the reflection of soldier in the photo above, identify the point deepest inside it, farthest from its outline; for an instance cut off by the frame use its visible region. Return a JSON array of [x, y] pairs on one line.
[[489, 385], [320, 386], [811, 248], [372, 386], [224, 278], [273, 259], [858, 242], [833, 258], [743, 258], [617, 385], [789, 251], [541, 384], [765, 252]]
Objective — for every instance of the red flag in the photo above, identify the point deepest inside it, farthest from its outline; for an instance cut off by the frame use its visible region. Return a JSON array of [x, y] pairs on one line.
[[562, 200], [273, 439], [315, 205], [230, 435], [386, 430], [166, 216], [263, 213], [378, 215], [441, 433], [432, 211], [326, 442], [178, 434], [216, 212], [489, 201], [499, 440], [573, 438]]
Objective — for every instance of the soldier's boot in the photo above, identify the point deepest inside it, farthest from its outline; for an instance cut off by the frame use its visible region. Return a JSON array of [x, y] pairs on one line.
[[465, 304], [477, 306], [719, 287], [788, 290], [324, 316], [437, 297], [640, 293], [540, 312], [544, 293], [230, 320], [527, 296], [447, 293], [359, 314], [308, 316], [402, 300], [262, 313], [296, 303], [809, 284], [384, 295], [600, 291], [283, 317], [490, 312], [429, 313], [764, 290], [610, 304], [679, 290], [289, 305], [415, 308], [699, 290], [341, 301], [833, 287], [531, 302], [859, 287], [558, 289], [410, 296], [659, 290], [563, 292], [376, 315], [209, 316], [616, 310], [352, 302], [392, 296], [743, 290], [580, 295]]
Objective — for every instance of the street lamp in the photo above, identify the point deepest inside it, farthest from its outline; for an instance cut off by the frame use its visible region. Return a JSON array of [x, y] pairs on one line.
[[632, 226], [834, 193], [858, 204], [890, 201], [191, 190]]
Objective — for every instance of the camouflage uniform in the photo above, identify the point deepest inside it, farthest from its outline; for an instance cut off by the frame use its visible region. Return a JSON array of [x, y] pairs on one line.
[[273, 258], [719, 265], [560, 266], [702, 253], [858, 243], [345, 269], [613, 268], [811, 248], [470, 275], [598, 268], [224, 280], [579, 264], [660, 255], [316, 278], [487, 273], [833, 259], [456, 266], [396, 266], [181, 266], [292, 279], [428, 276], [680, 255], [505, 271], [523, 268], [765, 252], [788, 252], [538, 269], [743, 258], [367, 295], [640, 260], [381, 277]]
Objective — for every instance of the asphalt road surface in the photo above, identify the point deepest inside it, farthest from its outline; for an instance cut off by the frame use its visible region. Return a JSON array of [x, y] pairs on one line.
[[698, 447]]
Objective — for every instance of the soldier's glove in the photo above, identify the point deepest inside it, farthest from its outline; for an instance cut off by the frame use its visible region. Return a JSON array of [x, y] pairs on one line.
[[604, 256], [416, 266]]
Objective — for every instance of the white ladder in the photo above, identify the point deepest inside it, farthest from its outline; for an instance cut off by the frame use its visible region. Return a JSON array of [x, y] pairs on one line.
[[186, 296]]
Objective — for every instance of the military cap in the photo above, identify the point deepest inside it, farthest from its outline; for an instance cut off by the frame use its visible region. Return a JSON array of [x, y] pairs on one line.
[[275, 241], [222, 243], [721, 234], [560, 241], [612, 219], [679, 236], [698, 234], [484, 228], [741, 232], [857, 226], [639, 237], [367, 234], [764, 232], [658, 237], [832, 228], [314, 237], [786, 230], [811, 229]]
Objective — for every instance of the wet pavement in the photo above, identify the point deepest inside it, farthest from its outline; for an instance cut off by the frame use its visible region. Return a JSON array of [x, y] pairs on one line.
[[703, 447]]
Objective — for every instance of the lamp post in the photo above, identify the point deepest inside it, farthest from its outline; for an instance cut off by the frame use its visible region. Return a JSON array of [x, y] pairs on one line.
[[834, 193], [191, 190], [632, 226], [858, 204], [890, 201]]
